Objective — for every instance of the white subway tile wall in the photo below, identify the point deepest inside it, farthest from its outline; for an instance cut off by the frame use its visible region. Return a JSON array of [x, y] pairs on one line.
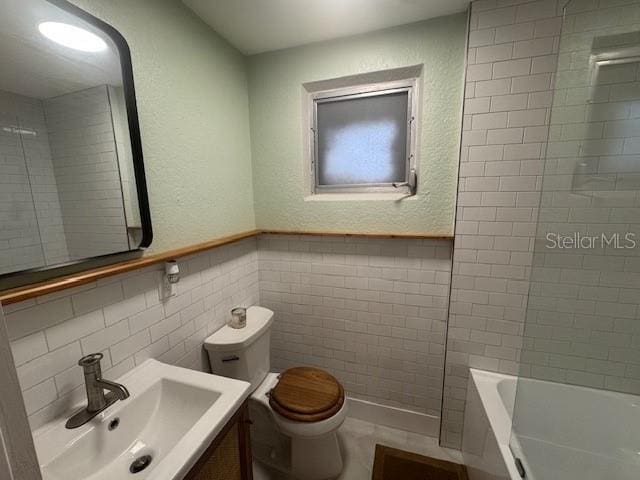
[[126, 318], [83, 149], [373, 312], [583, 318], [61, 196], [513, 48], [30, 214]]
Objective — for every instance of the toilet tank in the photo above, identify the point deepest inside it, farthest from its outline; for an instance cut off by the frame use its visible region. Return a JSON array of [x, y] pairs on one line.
[[243, 353]]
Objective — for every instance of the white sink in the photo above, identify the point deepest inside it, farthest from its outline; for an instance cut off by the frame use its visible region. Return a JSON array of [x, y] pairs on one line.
[[172, 415]]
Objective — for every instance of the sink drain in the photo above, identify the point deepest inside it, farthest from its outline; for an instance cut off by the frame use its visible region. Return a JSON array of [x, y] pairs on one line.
[[113, 424], [140, 463]]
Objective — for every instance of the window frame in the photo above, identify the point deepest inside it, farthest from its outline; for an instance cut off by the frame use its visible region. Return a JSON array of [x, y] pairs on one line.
[[362, 91]]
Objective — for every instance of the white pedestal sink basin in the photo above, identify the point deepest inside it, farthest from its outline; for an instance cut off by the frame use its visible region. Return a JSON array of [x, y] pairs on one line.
[[169, 420]]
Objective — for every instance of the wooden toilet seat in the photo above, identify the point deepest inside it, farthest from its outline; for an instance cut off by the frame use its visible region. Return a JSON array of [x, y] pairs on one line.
[[307, 394]]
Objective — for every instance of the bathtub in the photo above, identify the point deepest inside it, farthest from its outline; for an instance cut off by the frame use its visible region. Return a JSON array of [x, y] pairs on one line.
[[487, 426], [561, 431]]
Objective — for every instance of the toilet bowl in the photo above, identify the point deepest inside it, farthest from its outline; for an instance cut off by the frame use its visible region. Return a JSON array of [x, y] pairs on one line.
[[315, 450], [305, 404]]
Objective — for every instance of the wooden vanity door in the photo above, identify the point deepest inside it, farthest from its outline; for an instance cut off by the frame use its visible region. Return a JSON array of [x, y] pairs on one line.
[[229, 455]]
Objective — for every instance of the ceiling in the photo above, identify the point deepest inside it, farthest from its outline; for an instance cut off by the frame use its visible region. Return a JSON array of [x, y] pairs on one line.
[[255, 26], [36, 67]]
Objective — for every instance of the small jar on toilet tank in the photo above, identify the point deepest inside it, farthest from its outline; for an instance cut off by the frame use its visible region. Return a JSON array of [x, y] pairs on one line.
[[238, 318]]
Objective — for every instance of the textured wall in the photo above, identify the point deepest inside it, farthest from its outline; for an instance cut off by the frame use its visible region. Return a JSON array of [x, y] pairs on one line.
[[371, 311], [511, 59], [277, 138], [191, 90]]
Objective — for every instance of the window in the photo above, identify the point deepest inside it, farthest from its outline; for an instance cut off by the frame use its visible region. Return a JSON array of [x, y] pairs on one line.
[[363, 139]]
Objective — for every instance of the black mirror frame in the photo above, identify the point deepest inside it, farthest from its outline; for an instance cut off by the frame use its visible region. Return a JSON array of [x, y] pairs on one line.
[[134, 134]]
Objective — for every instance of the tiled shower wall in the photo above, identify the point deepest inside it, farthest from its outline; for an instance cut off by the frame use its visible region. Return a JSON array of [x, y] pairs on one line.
[[128, 320], [583, 316], [83, 149], [30, 214], [61, 196], [373, 312], [513, 47]]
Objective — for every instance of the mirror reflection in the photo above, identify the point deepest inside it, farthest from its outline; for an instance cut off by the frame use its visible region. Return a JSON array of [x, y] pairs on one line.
[[67, 184]]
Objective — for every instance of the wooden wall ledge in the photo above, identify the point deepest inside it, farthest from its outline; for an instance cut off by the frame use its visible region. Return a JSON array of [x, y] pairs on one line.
[[26, 292]]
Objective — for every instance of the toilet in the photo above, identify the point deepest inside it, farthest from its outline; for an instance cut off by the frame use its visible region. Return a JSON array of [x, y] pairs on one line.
[[306, 404]]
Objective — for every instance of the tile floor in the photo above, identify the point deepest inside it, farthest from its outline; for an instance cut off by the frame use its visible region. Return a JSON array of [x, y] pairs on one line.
[[359, 439]]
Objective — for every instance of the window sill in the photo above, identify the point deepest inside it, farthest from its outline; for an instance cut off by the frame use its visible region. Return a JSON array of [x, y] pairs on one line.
[[358, 197]]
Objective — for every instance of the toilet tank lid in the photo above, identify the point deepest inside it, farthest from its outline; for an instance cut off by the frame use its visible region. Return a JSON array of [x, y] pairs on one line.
[[258, 320]]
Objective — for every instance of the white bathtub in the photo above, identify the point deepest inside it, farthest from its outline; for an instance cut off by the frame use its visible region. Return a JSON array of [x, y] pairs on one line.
[[487, 426], [561, 431]]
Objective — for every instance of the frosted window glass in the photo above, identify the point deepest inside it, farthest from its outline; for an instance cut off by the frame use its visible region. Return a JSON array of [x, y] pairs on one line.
[[362, 140]]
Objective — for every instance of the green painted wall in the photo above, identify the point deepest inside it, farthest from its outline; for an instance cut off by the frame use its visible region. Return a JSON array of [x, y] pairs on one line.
[[191, 88], [275, 92], [200, 142], [202, 147]]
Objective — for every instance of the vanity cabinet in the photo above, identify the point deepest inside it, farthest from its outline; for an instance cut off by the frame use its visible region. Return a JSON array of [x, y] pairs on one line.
[[229, 455]]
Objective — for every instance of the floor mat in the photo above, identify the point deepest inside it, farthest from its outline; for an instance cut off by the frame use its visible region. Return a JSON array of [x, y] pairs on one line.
[[393, 464]]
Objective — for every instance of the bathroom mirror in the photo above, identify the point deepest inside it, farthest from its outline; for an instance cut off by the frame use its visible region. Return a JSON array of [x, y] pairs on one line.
[[72, 183]]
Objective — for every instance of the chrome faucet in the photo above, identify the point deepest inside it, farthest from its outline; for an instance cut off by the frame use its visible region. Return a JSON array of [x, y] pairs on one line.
[[97, 401]]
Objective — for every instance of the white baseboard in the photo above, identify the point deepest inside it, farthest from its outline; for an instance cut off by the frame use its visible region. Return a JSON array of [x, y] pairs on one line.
[[428, 425]]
